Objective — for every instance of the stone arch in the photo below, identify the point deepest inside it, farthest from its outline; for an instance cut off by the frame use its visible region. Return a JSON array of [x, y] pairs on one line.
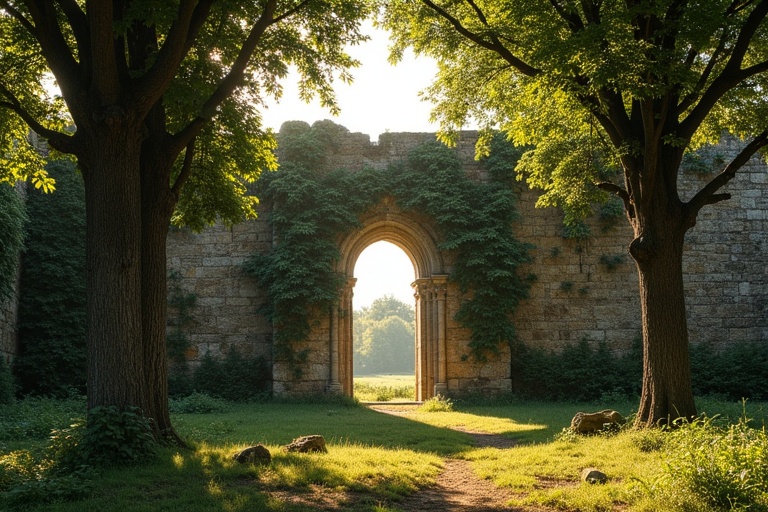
[[418, 239]]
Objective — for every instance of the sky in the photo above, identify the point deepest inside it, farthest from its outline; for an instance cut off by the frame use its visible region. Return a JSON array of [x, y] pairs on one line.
[[382, 98]]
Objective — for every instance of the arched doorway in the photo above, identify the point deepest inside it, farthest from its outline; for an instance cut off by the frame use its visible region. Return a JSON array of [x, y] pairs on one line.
[[418, 241]]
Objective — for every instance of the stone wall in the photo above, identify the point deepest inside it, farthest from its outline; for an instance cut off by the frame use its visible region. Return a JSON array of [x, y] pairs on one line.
[[584, 290]]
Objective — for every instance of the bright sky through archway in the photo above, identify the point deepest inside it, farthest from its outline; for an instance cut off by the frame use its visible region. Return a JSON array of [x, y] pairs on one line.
[[382, 269]]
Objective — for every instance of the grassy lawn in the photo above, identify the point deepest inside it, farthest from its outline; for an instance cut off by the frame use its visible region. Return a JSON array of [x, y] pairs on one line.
[[373, 459], [385, 387]]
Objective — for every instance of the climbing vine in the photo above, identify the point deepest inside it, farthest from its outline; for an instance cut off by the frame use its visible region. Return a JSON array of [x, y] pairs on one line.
[[12, 219], [312, 205]]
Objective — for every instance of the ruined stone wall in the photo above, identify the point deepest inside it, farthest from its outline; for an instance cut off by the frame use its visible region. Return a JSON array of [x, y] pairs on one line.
[[584, 290]]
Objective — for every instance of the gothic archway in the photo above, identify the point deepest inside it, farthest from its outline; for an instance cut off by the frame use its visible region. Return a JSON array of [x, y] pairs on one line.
[[418, 241]]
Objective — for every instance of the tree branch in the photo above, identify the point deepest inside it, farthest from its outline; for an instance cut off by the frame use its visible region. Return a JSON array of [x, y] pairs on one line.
[[181, 36], [731, 75], [58, 140], [230, 80], [186, 169], [572, 19], [494, 45], [612, 188], [7, 7], [708, 195], [77, 20]]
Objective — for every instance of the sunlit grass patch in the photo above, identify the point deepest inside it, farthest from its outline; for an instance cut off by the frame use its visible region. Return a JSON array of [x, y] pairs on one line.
[[384, 388], [548, 474]]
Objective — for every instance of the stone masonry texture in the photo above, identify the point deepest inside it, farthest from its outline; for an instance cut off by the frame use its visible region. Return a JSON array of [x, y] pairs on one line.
[[583, 290]]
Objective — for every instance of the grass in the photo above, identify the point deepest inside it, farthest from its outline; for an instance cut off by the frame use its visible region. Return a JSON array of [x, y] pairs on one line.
[[385, 388], [373, 459]]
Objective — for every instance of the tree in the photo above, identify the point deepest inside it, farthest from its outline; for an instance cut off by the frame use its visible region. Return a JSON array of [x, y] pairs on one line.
[[384, 337], [164, 97], [597, 84]]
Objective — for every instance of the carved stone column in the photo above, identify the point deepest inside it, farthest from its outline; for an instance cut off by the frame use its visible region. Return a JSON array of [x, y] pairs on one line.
[[423, 387], [440, 291], [346, 348], [334, 383]]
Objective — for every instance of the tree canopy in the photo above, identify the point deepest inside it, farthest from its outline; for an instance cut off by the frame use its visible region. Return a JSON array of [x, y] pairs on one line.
[[160, 106], [597, 85]]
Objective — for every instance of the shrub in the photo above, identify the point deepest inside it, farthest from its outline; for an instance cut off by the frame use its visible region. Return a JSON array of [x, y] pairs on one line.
[[234, 377], [198, 403], [437, 403], [739, 371], [578, 372], [34, 418], [7, 387], [721, 467], [116, 437]]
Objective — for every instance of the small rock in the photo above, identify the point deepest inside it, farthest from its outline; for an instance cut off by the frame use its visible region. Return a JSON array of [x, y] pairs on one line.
[[593, 476], [254, 455], [306, 444], [590, 422]]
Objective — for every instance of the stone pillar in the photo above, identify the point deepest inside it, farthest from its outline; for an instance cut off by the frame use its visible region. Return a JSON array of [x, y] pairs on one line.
[[440, 290], [423, 389], [345, 332], [334, 382]]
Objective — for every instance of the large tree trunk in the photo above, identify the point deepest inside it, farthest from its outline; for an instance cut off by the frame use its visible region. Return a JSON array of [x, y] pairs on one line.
[[157, 209], [113, 260], [658, 251]]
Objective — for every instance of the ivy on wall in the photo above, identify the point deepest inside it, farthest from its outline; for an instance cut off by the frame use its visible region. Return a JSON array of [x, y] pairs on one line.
[[312, 205], [52, 312], [12, 219]]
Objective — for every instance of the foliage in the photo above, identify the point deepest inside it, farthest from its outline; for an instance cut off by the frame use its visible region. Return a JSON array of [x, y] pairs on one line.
[[7, 384], [437, 403], [180, 304], [115, 437], [475, 220], [383, 337], [312, 205], [198, 403], [309, 208], [582, 371], [51, 323], [233, 377], [735, 372], [596, 86], [12, 219], [33, 418], [711, 466], [369, 392]]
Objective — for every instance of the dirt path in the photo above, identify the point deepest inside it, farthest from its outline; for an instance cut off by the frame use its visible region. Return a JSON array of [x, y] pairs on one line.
[[458, 488]]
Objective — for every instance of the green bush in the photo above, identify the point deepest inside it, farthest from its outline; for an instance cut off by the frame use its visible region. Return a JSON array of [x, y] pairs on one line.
[[437, 403], [198, 403], [235, 378], [115, 437], [716, 467], [7, 387], [35, 417], [579, 372], [736, 372]]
